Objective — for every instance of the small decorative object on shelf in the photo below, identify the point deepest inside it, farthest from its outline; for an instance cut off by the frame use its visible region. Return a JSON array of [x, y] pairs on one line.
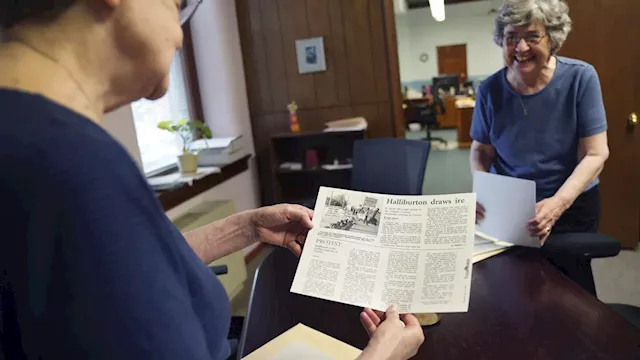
[[311, 159], [294, 123], [186, 130]]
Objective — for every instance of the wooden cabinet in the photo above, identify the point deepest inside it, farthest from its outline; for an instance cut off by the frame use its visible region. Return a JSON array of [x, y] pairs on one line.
[[300, 184], [449, 119], [463, 118]]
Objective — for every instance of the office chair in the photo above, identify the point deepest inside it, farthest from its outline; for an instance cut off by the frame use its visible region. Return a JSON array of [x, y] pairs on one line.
[[426, 114], [389, 166], [572, 254]]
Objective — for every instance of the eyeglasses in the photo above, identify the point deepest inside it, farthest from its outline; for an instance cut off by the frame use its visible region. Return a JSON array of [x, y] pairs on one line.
[[189, 8], [530, 39]]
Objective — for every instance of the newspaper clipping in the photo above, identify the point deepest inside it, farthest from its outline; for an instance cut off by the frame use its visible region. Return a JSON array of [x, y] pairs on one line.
[[374, 250]]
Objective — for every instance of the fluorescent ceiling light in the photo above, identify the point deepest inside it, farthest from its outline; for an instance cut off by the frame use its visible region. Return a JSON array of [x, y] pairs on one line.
[[437, 9]]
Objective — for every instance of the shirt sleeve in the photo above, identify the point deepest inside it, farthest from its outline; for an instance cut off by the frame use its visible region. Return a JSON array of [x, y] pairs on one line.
[[120, 286], [592, 118], [480, 124]]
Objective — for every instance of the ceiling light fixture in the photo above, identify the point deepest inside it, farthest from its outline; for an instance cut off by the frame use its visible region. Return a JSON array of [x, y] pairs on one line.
[[437, 9]]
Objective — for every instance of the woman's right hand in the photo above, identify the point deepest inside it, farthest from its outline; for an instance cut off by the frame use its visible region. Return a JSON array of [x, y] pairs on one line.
[[480, 211], [392, 336]]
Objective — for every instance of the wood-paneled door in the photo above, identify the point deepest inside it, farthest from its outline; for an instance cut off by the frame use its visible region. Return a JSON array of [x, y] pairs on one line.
[[452, 59], [602, 35]]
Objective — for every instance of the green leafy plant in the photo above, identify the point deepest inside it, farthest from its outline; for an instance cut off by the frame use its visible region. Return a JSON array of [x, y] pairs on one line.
[[186, 129]]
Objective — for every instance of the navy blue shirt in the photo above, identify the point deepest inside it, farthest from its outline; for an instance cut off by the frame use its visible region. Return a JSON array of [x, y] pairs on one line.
[[536, 135], [90, 266]]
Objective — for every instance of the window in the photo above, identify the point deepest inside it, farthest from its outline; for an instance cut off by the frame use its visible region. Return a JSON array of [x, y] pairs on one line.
[[158, 148]]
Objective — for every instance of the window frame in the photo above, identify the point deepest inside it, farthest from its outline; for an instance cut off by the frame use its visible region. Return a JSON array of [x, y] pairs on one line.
[[192, 87]]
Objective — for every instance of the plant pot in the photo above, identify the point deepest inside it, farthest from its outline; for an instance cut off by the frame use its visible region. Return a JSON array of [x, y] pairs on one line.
[[188, 163]]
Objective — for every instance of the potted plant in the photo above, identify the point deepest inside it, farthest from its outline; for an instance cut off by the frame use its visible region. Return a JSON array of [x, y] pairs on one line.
[[186, 130]]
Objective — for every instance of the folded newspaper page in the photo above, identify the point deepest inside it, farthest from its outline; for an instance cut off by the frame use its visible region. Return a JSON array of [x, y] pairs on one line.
[[374, 250]]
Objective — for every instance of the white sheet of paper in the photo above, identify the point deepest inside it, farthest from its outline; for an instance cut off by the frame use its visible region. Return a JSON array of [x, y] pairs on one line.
[[481, 246], [298, 350], [509, 203]]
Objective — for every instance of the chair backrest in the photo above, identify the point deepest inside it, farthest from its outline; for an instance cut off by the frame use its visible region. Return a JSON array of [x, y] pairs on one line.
[[389, 166]]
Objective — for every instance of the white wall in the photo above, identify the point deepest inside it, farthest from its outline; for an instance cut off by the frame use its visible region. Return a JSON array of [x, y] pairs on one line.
[[466, 23], [218, 55], [119, 124]]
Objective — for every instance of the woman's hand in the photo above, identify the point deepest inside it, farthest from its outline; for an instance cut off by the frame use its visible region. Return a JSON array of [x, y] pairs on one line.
[[480, 212], [548, 211], [283, 225], [393, 336]]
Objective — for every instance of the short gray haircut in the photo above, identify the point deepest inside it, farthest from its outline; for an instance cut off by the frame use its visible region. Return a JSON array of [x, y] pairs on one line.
[[553, 14]]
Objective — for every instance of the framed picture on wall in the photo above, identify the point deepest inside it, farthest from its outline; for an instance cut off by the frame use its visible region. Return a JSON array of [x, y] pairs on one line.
[[310, 53]]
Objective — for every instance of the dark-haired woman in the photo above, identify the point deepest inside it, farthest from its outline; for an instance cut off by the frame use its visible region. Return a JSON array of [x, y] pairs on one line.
[[90, 266]]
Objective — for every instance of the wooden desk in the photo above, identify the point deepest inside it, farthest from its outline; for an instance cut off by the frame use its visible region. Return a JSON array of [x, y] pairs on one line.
[[463, 125], [521, 308]]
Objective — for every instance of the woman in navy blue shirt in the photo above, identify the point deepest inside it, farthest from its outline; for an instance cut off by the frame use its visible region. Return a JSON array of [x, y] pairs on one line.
[[90, 266], [542, 118]]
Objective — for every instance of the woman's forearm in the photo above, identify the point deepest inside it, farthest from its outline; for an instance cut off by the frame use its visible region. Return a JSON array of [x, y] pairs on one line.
[[223, 237], [481, 157], [587, 170]]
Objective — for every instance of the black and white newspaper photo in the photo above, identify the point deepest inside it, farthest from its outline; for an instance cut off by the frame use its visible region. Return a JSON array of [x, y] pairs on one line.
[[374, 250], [352, 211]]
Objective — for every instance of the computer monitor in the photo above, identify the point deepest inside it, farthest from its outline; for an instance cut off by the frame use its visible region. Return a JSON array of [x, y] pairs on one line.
[[445, 83]]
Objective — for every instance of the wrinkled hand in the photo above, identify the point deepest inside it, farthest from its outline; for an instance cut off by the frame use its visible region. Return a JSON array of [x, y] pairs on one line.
[[480, 212], [548, 211], [393, 336], [283, 225]]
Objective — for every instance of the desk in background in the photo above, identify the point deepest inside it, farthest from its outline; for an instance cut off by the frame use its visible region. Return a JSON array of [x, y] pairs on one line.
[[457, 115], [521, 307]]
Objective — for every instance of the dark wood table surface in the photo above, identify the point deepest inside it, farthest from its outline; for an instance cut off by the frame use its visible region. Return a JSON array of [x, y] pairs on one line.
[[521, 307]]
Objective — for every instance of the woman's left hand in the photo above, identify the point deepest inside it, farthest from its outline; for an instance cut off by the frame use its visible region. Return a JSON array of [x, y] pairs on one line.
[[548, 211], [283, 225]]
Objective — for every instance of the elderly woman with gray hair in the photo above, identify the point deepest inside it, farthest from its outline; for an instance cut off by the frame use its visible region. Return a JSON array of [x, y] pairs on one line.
[[542, 118]]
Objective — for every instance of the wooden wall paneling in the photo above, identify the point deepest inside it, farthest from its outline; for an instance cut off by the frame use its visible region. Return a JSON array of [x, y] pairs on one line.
[[310, 120], [320, 26], [338, 52], [294, 26], [359, 53], [385, 117], [275, 60], [254, 55], [378, 45], [336, 113], [393, 64], [376, 129]]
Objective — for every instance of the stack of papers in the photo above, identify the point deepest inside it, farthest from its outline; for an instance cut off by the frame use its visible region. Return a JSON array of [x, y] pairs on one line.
[[484, 247], [509, 204], [303, 342], [176, 179], [219, 151], [355, 124]]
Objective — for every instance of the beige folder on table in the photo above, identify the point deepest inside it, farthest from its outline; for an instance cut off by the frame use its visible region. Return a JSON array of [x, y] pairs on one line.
[[303, 342]]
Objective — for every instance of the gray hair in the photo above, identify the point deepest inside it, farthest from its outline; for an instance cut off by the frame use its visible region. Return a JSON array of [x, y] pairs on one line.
[[553, 14]]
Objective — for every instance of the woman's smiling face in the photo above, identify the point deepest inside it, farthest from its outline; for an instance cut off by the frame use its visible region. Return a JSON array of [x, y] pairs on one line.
[[526, 48]]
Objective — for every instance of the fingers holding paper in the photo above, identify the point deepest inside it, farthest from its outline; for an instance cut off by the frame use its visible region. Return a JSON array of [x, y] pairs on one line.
[[548, 211], [392, 335], [480, 212]]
